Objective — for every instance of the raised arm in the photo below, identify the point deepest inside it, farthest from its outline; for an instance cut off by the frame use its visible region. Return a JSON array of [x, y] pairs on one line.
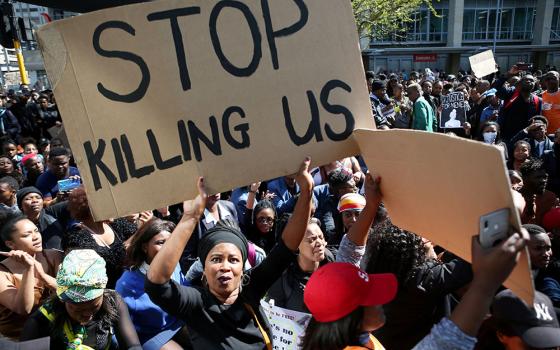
[[491, 268], [166, 260], [295, 229], [358, 233], [19, 299]]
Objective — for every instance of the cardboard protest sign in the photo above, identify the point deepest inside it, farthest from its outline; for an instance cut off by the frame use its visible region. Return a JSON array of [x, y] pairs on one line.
[[483, 64], [471, 181], [154, 95], [287, 327], [453, 113]]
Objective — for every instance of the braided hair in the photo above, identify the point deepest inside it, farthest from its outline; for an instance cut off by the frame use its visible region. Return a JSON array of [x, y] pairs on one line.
[[395, 251]]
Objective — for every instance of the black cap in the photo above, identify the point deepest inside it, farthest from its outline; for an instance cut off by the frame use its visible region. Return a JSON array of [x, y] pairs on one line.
[[536, 325], [24, 192]]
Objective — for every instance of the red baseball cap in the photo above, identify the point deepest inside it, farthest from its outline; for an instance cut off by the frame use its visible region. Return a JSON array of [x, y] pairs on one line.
[[337, 289]]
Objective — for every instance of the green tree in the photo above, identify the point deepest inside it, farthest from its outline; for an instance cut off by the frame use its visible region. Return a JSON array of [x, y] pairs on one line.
[[379, 18]]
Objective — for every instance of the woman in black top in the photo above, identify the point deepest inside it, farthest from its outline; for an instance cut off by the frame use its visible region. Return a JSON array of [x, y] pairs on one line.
[[260, 224], [98, 236], [224, 313], [425, 285]]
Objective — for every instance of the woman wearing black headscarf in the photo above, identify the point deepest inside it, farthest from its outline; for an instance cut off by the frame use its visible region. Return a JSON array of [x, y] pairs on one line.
[[223, 314]]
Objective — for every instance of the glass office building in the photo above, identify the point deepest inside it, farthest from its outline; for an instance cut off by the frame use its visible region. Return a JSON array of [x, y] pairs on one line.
[[520, 30]]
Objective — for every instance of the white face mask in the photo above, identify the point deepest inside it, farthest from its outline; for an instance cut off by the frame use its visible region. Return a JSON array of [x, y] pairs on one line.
[[489, 137]]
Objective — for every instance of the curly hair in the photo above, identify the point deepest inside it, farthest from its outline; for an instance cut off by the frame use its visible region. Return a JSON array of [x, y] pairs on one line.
[[395, 251], [530, 166], [339, 177]]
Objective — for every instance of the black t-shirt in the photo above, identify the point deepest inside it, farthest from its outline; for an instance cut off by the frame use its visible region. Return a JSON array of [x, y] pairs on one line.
[[213, 325]]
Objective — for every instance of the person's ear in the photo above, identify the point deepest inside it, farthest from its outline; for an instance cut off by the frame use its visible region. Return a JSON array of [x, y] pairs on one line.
[[10, 245], [502, 337], [145, 248]]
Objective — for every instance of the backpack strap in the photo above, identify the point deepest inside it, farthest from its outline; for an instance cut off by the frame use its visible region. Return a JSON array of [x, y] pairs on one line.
[[266, 338], [512, 99]]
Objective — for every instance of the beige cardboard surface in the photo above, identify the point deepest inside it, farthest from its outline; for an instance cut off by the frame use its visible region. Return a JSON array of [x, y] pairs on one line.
[[483, 63], [438, 186], [93, 59]]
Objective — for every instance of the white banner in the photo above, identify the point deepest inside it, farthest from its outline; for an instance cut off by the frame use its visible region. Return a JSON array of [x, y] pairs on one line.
[[287, 327]]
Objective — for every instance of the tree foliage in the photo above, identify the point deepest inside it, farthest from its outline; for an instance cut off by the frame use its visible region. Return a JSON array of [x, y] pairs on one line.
[[379, 18]]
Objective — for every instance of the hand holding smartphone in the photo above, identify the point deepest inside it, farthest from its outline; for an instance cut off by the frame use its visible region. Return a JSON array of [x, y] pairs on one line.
[[494, 227]]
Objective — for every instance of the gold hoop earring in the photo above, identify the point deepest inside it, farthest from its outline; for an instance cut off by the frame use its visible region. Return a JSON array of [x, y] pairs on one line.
[[204, 281]]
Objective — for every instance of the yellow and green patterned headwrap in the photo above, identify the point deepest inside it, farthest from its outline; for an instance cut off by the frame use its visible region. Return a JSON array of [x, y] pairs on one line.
[[82, 276]]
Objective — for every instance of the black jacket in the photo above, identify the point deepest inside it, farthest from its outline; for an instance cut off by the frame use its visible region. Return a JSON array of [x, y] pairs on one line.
[[523, 135], [422, 300]]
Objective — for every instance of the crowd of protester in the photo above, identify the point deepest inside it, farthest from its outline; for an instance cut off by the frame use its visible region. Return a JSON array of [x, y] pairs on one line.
[[192, 275]]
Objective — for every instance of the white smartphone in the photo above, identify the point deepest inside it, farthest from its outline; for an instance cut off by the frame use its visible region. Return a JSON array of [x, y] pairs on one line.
[[494, 227]]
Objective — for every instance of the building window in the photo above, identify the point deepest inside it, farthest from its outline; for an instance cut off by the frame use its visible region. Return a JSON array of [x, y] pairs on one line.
[[513, 23], [425, 27], [555, 27]]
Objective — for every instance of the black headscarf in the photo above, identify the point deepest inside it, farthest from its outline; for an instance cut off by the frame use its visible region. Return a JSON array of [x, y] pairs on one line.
[[223, 232]]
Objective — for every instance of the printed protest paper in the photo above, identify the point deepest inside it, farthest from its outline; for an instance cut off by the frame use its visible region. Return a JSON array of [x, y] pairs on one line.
[[154, 95], [453, 114], [438, 186], [483, 64], [287, 327]]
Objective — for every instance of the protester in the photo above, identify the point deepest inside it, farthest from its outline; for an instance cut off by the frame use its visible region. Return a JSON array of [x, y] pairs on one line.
[[516, 326], [58, 168], [350, 206], [425, 285], [287, 291], [51, 222], [403, 108], [340, 182], [516, 180], [341, 316], [33, 167], [520, 104], [8, 190], [535, 135], [259, 224], [156, 329], [551, 101], [98, 236], [8, 168], [521, 154], [539, 200], [423, 115], [83, 313], [216, 210], [284, 189], [491, 112], [491, 268], [551, 161], [380, 104], [26, 275], [223, 313]]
